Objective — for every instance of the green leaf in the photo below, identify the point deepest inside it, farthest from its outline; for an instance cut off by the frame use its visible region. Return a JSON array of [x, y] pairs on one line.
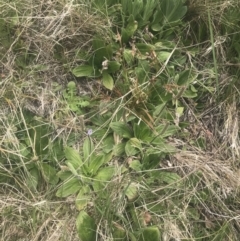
[[119, 233], [83, 197], [145, 48], [129, 31], [142, 131], [24, 150], [157, 22], [69, 187], [71, 86], [162, 146], [105, 174], [136, 143], [151, 161], [131, 147], [152, 232], [72, 169], [189, 94], [119, 149], [64, 174], [173, 10], [87, 149], [169, 177], [149, 7], [163, 56], [186, 77], [95, 163], [126, 7], [107, 80], [193, 89], [156, 27], [179, 60], [112, 9], [142, 71], [102, 178], [135, 165], [49, 173], [84, 71], [86, 227], [33, 178], [128, 56], [132, 192], [113, 66], [121, 129], [39, 133], [169, 131], [159, 110], [137, 8], [179, 111], [83, 103], [73, 157], [102, 52], [108, 144]]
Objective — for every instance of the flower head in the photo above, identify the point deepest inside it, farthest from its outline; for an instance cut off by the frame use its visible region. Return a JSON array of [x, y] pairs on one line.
[[89, 132]]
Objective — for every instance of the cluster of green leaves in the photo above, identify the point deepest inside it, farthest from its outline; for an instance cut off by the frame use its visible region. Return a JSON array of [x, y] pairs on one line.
[[74, 101], [146, 70], [137, 57], [90, 172], [83, 173], [87, 175], [141, 61], [138, 27]]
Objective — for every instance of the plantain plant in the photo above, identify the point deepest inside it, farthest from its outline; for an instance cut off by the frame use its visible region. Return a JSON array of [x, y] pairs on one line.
[[145, 68], [136, 26]]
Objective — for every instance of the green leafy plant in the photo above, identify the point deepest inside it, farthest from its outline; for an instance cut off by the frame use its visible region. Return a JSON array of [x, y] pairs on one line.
[[100, 64], [160, 157], [86, 227], [130, 20], [149, 72], [141, 141], [75, 102], [88, 173], [83, 175]]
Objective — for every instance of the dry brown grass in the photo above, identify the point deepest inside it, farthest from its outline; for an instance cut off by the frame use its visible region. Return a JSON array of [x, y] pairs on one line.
[[24, 218]]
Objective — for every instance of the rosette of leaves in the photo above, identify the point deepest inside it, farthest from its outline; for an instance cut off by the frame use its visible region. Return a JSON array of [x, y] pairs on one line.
[[135, 140], [85, 176], [140, 141], [131, 18], [158, 15]]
